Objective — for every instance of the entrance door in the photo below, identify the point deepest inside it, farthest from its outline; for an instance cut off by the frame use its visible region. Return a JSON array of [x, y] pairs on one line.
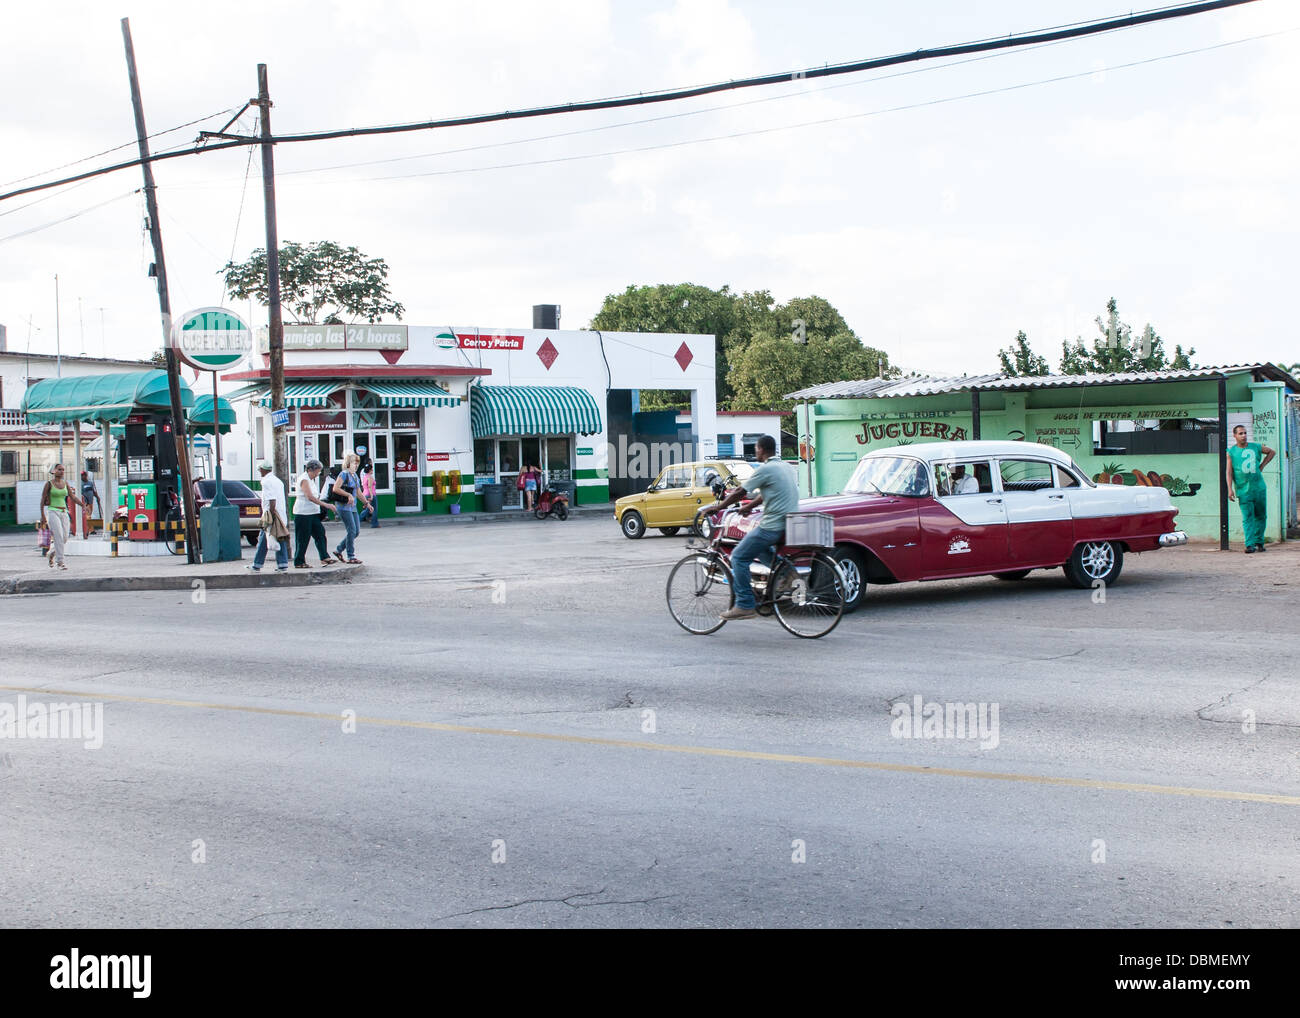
[[406, 456], [509, 456]]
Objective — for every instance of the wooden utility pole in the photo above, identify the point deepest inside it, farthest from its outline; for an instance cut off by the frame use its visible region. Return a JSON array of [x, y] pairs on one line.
[[164, 304], [275, 323]]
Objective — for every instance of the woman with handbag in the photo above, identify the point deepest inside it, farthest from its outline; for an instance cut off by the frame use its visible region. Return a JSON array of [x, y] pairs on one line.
[[54, 513], [273, 524], [347, 491]]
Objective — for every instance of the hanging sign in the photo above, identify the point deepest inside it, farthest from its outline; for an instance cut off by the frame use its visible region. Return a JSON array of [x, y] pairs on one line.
[[210, 339]]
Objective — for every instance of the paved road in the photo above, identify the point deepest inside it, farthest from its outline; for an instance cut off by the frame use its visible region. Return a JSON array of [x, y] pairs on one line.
[[537, 744]]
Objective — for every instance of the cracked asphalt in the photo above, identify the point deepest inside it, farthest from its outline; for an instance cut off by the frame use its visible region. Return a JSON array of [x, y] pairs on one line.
[[502, 726]]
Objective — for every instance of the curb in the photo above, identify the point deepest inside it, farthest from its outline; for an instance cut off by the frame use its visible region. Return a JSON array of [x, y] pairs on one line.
[[185, 581], [460, 519]]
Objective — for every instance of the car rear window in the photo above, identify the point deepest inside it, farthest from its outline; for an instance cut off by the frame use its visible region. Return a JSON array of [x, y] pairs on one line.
[[233, 489]]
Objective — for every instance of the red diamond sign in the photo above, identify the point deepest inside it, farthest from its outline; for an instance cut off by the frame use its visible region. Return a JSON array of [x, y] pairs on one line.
[[547, 353], [683, 356]]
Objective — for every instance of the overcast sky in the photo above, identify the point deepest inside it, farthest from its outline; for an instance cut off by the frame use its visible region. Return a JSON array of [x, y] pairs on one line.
[[938, 231]]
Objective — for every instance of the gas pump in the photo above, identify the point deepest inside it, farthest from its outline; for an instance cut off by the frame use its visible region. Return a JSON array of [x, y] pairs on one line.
[[147, 473]]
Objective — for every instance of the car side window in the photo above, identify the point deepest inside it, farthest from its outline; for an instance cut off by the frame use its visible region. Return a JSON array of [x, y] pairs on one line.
[[704, 475], [969, 477], [676, 477], [1066, 479], [1025, 475]]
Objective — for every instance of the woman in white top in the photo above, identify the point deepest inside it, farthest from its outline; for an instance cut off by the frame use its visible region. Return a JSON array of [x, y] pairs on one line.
[[308, 524]]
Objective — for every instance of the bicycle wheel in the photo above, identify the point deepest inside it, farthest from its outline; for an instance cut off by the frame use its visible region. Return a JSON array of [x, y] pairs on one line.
[[808, 594], [699, 591]]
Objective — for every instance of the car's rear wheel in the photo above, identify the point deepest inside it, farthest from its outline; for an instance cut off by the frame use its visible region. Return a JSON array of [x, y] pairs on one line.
[[1014, 574], [855, 576], [669, 531], [633, 525], [1095, 563], [251, 537]]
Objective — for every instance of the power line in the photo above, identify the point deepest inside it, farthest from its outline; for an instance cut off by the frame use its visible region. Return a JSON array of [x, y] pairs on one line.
[[1077, 30], [75, 215]]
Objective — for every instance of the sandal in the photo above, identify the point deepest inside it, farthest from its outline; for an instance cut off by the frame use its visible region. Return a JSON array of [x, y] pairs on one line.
[[354, 562], [327, 561], [301, 565]]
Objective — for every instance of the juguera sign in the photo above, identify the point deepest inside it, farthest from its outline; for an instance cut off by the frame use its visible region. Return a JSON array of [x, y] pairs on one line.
[[910, 429], [211, 338]]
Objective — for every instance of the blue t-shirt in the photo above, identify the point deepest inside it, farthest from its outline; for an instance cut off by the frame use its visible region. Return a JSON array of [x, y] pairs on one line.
[[780, 489]]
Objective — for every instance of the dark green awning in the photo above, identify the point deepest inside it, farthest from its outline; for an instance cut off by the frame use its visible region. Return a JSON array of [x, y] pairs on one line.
[[99, 398], [532, 410], [200, 416]]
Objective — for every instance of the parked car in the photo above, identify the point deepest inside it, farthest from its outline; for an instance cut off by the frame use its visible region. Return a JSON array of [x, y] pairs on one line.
[[675, 498], [940, 510], [242, 496]]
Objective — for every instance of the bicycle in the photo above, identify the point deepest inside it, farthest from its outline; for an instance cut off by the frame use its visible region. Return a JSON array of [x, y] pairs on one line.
[[803, 587]]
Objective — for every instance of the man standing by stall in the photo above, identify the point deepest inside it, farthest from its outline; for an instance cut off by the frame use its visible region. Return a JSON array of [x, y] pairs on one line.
[[1246, 462]]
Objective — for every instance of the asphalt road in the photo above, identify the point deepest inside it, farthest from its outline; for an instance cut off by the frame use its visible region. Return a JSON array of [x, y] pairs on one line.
[[536, 743]]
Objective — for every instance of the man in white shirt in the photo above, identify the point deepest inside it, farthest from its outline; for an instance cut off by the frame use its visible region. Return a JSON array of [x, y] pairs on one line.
[[273, 502], [961, 483]]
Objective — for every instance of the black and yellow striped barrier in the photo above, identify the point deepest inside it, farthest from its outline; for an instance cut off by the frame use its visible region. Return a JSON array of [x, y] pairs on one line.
[[118, 529]]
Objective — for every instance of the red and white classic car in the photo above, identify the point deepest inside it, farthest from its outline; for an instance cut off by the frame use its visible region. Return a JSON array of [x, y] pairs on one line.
[[939, 510]]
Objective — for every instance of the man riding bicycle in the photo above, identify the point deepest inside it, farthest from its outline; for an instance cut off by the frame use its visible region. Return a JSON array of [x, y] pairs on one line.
[[778, 492]]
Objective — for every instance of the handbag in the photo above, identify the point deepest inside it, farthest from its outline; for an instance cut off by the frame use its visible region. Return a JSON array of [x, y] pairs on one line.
[[519, 482]]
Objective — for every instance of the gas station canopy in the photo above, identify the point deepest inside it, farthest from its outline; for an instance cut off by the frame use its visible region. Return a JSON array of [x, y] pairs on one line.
[[200, 416], [105, 398]]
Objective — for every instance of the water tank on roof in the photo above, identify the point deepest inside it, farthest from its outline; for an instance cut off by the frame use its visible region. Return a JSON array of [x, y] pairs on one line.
[[546, 316]]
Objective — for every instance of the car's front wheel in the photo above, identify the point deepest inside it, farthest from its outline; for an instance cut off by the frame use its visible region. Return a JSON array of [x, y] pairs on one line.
[[855, 576], [703, 526], [1095, 563], [633, 525]]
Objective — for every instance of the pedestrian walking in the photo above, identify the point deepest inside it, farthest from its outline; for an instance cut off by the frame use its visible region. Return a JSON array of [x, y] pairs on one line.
[[273, 523], [89, 499], [1246, 486], [55, 497], [308, 522], [368, 490], [347, 495]]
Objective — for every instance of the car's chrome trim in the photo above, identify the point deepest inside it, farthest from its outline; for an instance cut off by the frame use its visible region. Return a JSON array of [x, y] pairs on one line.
[[1170, 540]]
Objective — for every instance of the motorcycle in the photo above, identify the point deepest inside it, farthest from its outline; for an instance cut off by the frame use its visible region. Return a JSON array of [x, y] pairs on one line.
[[552, 503]]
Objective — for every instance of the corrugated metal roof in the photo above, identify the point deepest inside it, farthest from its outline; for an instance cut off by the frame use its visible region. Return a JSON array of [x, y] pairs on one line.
[[875, 388]]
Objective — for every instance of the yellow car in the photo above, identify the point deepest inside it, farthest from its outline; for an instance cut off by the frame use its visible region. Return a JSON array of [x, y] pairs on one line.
[[676, 496]]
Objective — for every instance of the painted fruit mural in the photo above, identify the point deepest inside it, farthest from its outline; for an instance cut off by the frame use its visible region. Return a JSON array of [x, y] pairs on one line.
[[1116, 473]]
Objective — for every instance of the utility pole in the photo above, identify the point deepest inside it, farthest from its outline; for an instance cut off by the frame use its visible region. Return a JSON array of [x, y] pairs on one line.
[[275, 323], [164, 305], [58, 354]]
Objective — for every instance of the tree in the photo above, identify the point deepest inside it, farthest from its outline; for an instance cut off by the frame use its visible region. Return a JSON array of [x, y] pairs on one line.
[[1020, 360], [320, 283], [771, 365], [1116, 352]]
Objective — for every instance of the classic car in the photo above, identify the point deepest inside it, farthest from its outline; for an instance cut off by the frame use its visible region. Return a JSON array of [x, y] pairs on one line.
[[675, 498], [933, 511]]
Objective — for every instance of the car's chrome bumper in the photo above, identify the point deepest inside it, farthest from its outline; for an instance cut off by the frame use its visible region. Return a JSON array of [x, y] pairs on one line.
[[1170, 540]]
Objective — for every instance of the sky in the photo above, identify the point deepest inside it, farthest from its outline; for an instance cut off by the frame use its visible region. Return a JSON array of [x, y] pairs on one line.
[[939, 221]]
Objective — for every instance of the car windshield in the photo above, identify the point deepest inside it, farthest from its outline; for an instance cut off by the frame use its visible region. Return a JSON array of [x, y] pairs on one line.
[[888, 475], [233, 489]]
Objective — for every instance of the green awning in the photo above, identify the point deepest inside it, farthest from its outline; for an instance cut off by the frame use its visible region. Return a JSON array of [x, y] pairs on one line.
[[256, 389], [200, 416], [392, 394], [533, 410], [100, 398], [306, 394]]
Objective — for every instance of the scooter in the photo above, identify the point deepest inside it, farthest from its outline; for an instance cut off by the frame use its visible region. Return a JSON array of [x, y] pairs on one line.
[[552, 503]]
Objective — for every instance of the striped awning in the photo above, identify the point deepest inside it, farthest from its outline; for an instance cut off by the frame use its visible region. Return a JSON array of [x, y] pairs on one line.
[[533, 410], [305, 394], [392, 394]]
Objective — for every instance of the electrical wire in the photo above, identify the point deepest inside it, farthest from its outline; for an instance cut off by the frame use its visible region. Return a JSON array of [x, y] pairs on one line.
[[1007, 42], [75, 215]]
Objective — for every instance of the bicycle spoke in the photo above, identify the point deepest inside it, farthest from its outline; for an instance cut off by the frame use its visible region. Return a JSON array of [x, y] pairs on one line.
[[699, 591], [808, 595]]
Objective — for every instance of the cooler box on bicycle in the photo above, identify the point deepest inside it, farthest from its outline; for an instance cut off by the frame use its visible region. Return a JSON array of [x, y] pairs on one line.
[[810, 530]]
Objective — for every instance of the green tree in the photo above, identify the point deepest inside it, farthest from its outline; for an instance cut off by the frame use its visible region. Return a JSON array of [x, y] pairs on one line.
[[1115, 351], [1020, 360], [771, 365], [320, 283]]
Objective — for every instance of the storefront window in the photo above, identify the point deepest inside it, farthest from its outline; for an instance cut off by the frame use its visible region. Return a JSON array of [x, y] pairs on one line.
[[367, 420], [559, 465], [485, 463]]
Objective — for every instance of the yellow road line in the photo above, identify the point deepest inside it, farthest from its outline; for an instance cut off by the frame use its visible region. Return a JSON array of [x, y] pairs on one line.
[[663, 747]]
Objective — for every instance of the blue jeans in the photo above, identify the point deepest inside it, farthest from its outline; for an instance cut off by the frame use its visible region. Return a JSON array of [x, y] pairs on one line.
[[281, 553], [352, 526], [373, 501], [757, 544]]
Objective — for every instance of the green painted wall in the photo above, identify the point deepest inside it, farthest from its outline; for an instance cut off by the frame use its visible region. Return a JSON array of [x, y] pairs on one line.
[[845, 429]]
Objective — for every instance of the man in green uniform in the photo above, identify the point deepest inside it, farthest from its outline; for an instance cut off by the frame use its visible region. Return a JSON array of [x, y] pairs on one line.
[[1246, 461]]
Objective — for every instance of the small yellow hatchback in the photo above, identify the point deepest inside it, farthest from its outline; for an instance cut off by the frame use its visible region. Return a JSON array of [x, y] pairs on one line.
[[676, 496]]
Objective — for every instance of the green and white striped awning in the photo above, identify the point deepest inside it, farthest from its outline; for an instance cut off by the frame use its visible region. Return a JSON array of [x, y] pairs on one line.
[[533, 410], [392, 394], [306, 394]]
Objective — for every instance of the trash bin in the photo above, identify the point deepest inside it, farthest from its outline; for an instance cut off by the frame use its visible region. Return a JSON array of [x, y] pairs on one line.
[[569, 488], [493, 494]]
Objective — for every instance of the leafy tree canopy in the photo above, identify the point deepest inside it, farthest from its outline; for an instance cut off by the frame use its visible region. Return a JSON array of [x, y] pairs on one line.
[[1020, 360], [320, 283], [1116, 350]]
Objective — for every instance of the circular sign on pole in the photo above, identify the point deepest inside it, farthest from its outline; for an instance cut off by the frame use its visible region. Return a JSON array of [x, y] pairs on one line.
[[210, 339]]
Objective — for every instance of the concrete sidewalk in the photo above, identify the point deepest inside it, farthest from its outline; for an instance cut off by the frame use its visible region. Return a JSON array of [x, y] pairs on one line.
[[505, 516], [24, 571]]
